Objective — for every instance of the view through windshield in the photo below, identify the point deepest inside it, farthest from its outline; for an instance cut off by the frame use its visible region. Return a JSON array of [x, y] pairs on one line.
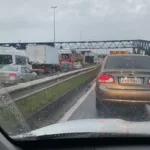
[[74, 66], [5, 59]]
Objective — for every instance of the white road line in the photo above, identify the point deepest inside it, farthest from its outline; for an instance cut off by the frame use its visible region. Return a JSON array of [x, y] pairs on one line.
[[69, 113]]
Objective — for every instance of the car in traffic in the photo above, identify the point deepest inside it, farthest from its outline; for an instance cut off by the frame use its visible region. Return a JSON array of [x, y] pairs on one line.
[[77, 65], [12, 74], [123, 79], [66, 66], [101, 60]]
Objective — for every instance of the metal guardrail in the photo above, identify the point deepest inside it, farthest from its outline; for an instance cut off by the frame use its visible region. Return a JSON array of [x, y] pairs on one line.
[[40, 81], [17, 92], [54, 109]]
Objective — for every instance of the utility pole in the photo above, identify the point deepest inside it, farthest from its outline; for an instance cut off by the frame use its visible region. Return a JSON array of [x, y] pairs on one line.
[[54, 7]]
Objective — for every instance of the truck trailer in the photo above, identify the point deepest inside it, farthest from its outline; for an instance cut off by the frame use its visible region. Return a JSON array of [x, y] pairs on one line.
[[43, 58]]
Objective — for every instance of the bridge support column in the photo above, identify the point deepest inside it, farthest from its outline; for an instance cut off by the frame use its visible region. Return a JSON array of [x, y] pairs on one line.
[[138, 51], [133, 51], [143, 52]]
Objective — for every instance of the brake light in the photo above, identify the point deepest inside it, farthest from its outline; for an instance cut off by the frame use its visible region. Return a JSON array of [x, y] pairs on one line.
[[105, 78], [148, 81], [12, 74]]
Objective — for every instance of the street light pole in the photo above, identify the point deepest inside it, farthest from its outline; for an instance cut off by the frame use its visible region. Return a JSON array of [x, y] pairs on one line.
[[54, 7]]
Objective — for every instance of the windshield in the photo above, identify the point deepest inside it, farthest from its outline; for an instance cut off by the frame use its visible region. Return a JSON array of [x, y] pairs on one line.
[[74, 66], [128, 62], [5, 59], [9, 68]]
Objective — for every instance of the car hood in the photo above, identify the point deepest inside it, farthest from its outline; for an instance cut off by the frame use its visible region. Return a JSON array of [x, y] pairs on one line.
[[93, 126]]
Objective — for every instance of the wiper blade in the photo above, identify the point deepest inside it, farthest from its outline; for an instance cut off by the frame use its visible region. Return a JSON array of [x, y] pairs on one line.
[[88, 135], [79, 135]]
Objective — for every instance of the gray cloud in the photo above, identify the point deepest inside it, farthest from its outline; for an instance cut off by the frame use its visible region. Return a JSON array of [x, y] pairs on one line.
[[32, 20]]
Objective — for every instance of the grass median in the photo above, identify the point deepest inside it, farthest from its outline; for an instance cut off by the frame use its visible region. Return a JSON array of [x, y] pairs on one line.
[[33, 103]]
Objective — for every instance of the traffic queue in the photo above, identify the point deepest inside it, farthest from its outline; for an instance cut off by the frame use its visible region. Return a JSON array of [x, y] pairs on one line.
[[25, 65]]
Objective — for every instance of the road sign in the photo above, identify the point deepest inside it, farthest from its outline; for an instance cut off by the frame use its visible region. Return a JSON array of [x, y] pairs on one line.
[[118, 52]]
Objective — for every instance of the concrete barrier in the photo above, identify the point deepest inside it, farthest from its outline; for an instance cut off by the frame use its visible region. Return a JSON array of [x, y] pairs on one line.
[[40, 81], [17, 92]]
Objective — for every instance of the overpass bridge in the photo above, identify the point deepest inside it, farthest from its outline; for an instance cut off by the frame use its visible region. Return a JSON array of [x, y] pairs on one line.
[[111, 44]]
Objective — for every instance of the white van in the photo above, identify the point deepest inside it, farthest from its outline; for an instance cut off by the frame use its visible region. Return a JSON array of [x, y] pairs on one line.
[[10, 55]]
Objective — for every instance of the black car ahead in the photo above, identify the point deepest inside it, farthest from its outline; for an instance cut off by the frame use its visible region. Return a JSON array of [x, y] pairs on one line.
[[123, 79]]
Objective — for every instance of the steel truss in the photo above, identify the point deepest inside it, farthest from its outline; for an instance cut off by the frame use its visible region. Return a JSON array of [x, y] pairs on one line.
[[112, 44]]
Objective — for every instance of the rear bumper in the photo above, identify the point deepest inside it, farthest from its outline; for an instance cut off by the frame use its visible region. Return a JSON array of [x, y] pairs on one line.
[[10, 81], [122, 96]]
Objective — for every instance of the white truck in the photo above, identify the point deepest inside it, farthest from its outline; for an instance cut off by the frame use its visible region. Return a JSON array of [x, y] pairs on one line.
[[43, 58]]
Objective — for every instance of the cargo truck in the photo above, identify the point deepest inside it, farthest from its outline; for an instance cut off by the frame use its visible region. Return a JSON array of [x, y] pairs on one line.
[[43, 58]]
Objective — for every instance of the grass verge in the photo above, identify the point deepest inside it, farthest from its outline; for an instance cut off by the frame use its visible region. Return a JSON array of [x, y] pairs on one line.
[[33, 103]]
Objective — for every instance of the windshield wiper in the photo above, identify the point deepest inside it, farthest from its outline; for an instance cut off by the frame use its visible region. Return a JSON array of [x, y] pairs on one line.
[[88, 135], [79, 135]]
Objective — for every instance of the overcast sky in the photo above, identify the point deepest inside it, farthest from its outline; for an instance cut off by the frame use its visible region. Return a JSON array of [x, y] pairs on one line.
[[32, 20]]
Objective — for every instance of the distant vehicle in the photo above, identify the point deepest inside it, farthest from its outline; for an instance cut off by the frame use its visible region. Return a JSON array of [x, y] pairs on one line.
[[10, 55], [123, 79], [66, 66], [77, 65], [101, 60], [85, 64], [42, 57], [89, 59], [65, 55], [13, 74]]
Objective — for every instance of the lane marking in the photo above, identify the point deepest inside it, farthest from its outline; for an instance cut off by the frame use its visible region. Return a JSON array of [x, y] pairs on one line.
[[70, 112]]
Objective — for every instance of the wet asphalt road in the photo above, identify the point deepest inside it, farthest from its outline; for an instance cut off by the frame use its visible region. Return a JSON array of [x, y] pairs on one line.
[[87, 110], [84, 107]]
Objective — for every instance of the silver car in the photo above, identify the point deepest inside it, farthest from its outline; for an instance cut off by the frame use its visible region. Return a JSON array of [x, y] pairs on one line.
[[77, 65], [12, 74]]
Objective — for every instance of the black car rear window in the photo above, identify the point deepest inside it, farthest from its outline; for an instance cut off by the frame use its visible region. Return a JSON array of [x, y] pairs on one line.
[[127, 62]]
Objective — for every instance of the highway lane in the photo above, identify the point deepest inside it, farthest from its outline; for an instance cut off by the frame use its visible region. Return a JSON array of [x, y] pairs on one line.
[[85, 109]]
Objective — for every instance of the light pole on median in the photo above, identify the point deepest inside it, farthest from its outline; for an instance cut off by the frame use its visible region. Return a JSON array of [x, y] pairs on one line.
[[54, 7]]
